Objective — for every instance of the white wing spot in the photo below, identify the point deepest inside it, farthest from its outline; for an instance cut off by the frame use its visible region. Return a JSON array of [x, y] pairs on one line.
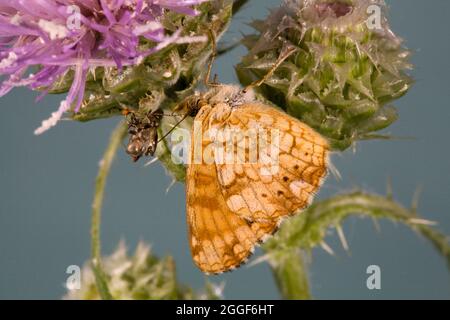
[[266, 119], [297, 186], [227, 176], [236, 203]]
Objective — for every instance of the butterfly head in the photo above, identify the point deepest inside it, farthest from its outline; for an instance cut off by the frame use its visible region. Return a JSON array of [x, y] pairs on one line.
[[232, 95]]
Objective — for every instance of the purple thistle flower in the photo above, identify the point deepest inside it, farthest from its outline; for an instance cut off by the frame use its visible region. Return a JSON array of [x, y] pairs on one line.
[[61, 35]]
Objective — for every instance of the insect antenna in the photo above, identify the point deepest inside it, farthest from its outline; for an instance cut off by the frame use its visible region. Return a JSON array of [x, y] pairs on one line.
[[174, 127], [170, 115]]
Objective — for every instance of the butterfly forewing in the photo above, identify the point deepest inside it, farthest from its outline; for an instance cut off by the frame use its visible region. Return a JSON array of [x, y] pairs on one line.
[[269, 190]]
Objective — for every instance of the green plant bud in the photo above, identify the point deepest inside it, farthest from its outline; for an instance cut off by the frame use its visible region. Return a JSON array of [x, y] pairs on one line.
[[139, 277], [347, 66]]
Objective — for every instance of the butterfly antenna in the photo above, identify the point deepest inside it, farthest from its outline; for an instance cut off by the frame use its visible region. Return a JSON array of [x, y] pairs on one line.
[[266, 77], [173, 128]]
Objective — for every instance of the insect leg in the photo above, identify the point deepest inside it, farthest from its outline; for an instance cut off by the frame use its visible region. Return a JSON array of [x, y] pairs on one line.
[[207, 81], [280, 60]]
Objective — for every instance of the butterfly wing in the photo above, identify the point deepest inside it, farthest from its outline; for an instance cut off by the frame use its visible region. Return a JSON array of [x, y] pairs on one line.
[[231, 207], [220, 240], [270, 190]]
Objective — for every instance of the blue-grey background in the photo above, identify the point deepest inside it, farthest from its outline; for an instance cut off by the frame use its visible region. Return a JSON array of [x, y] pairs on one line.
[[46, 186]]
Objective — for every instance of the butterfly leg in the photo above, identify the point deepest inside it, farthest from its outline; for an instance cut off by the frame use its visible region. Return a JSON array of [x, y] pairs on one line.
[[280, 60], [207, 81]]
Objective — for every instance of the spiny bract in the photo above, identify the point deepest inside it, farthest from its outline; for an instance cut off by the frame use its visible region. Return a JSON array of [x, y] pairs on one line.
[[139, 277], [348, 66]]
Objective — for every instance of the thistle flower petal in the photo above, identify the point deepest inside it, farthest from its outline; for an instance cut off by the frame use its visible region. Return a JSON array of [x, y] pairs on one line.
[[60, 36]]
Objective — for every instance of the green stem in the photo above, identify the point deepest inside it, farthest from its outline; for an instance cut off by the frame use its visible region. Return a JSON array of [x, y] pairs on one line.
[[100, 182], [291, 275], [309, 229]]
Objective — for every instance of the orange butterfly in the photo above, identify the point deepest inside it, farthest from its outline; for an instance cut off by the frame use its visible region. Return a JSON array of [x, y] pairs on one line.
[[234, 205]]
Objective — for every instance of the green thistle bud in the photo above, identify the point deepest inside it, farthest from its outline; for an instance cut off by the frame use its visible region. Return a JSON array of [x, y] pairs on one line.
[[347, 67], [140, 277]]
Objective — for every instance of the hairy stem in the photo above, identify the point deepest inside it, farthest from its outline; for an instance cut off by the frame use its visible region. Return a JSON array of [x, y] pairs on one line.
[[291, 275], [105, 165], [309, 229]]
